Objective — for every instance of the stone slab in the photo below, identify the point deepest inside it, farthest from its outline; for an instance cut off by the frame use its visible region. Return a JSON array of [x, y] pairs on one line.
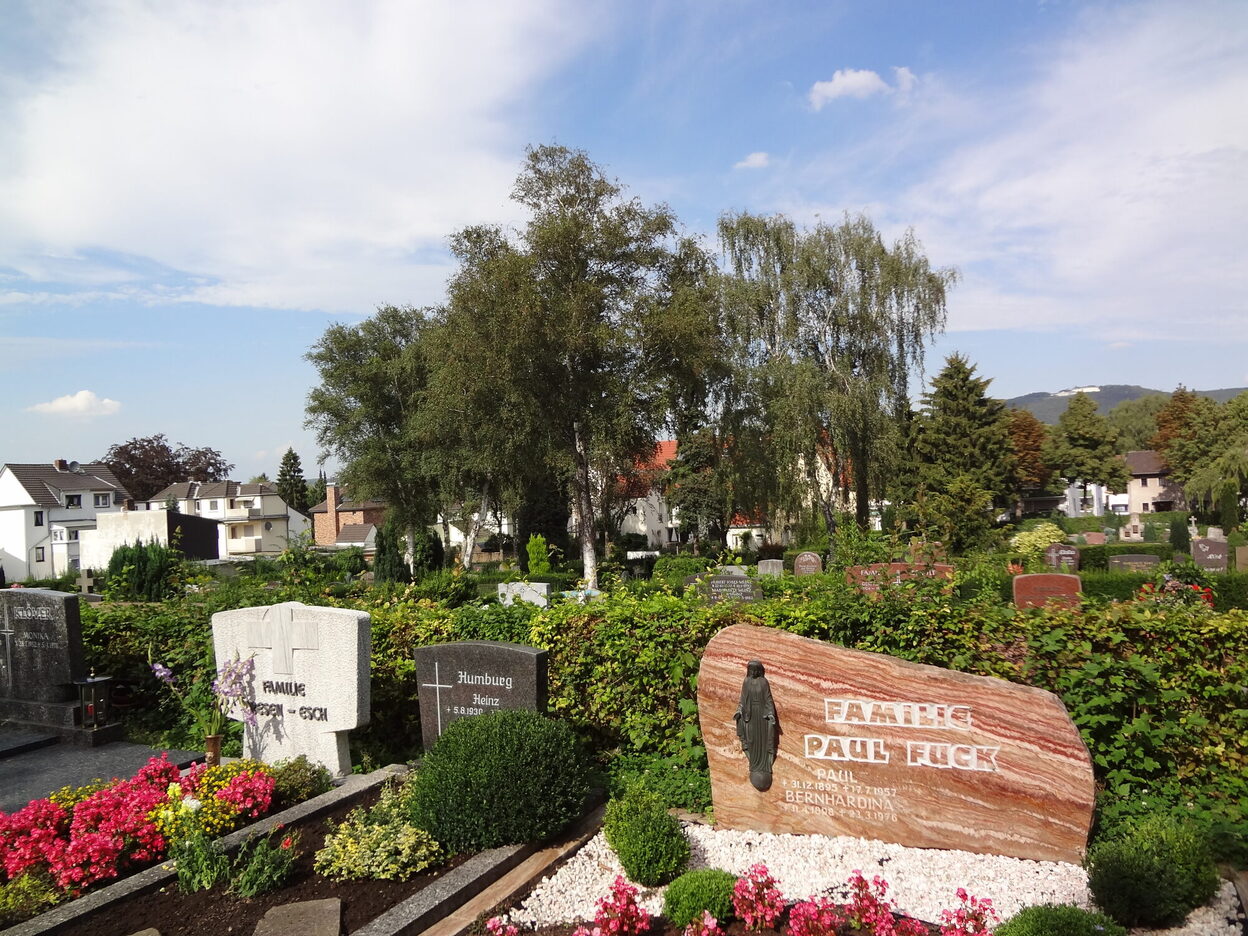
[[771, 567], [1210, 554], [40, 645], [36, 773], [871, 578], [1035, 591], [737, 588], [1094, 539], [311, 680], [303, 918], [537, 593], [807, 563], [14, 740], [1241, 558], [874, 747], [1134, 562], [473, 677], [1061, 555]]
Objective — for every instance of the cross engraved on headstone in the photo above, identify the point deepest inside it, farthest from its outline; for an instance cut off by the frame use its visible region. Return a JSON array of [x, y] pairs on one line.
[[437, 686], [8, 633], [284, 634]]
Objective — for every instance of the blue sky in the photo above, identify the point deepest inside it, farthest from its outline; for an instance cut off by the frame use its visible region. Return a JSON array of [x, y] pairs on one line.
[[190, 193]]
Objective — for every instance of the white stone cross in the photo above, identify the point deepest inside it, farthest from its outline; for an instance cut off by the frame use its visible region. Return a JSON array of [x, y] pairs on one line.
[[279, 630], [437, 686]]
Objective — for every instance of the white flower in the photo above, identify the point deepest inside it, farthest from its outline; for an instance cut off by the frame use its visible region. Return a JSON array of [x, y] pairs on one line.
[[191, 803]]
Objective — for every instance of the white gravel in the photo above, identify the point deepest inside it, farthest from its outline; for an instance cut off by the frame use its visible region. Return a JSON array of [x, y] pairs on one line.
[[921, 881]]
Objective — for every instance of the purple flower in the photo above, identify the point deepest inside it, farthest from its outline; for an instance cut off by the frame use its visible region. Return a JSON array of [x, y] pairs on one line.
[[163, 673]]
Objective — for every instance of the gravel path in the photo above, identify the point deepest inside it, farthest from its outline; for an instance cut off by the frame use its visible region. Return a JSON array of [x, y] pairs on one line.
[[922, 881]]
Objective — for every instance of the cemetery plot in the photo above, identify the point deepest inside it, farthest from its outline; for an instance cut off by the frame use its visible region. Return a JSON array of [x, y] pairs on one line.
[[875, 747], [870, 578], [1035, 591]]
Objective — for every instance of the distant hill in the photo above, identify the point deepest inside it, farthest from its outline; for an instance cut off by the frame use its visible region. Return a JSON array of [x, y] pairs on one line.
[[1047, 407]]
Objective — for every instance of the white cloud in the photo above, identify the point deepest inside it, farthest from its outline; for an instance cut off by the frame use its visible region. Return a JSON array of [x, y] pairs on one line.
[[288, 153], [906, 80], [754, 161], [82, 403], [848, 82]]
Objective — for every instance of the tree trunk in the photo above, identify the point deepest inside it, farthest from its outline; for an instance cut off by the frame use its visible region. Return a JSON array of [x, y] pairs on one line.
[[862, 491], [470, 536], [409, 552], [446, 533], [583, 507]]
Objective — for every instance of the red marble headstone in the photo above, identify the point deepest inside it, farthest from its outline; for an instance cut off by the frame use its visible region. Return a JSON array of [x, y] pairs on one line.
[[807, 563], [1035, 591], [1094, 539], [869, 578], [875, 747]]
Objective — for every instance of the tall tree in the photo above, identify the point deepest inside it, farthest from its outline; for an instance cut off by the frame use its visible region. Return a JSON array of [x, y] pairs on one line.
[[1174, 420], [291, 484], [1082, 446], [150, 464], [316, 489], [1135, 421], [831, 321], [1028, 436], [366, 411], [1213, 459]]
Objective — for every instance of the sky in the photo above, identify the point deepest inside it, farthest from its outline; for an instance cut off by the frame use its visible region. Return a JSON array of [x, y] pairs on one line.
[[192, 192]]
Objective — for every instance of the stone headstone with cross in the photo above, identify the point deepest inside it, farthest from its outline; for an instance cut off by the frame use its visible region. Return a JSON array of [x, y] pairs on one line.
[[310, 685], [476, 677]]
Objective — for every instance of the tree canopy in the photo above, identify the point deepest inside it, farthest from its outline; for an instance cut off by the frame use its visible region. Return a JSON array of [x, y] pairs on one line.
[[150, 464], [291, 484], [1083, 447]]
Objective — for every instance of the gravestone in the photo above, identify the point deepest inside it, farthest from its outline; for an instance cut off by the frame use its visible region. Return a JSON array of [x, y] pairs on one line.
[[1035, 591], [771, 567], [869, 579], [537, 593], [474, 677], [40, 645], [1094, 539], [731, 570], [1059, 555], [310, 685], [807, 563], [1215, 534], [1133, 562], [1132, 531], [1209, 554], [874, 747], [736, 588]]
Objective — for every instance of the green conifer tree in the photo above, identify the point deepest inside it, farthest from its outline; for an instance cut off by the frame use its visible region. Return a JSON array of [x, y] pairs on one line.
[[290, 482]]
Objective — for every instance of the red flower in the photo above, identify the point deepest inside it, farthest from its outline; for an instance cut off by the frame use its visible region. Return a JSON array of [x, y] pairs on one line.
[[287, 842]]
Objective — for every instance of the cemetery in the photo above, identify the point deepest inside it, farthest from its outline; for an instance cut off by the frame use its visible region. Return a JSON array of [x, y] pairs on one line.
[[845, 710]]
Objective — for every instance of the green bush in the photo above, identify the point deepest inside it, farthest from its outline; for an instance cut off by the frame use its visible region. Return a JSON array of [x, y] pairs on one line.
[[377, 844], [298, 779], [27, 895], [1156, 872], [262, 866], [1096, 558], [696, 891], [201, 862], [499, 779], [1059, 920], [673, 570], [649, 842], [678, 782]]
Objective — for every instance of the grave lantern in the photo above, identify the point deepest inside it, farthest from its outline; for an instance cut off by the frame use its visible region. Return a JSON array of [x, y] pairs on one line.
[[93, 695]]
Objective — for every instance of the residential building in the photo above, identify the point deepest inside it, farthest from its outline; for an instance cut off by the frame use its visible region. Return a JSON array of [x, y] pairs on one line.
[[44, 508], [1150, 488], [340, 521], [193, 537], [254, 518]]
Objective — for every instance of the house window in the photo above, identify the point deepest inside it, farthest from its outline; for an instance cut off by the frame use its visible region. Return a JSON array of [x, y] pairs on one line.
[[249, 530], [212, 504], [71, 534], [38, 518], [1143, 482], [102, 500], [38, 554], [73, 500]]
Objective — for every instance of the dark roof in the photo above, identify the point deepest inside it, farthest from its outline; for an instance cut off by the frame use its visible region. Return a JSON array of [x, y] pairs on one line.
[[1146, 462], [185, 490], [43, 481], [322, 507], [362, 505], [354, 533]]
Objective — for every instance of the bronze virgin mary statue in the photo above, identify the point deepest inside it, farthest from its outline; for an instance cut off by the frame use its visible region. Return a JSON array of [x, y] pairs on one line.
[[756, 725]]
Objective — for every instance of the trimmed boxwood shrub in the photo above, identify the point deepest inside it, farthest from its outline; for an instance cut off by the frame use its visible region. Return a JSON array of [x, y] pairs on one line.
[[1156, 872], [499, 779], [1059, 920], [696, 891], [649, 842]]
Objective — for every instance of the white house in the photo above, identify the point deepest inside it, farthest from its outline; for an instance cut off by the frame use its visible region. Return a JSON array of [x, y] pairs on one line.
[[44, 508], [254, 518]]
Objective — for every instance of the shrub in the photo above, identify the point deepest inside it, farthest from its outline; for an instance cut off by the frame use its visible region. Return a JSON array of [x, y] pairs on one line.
[[263, 866], [532, 783], [707, 889], [1059, 920], [378, 843], [539, 555], [27, 895], [673, 570], [1180, 536], [648, 841], [298, 779], [677, 781], [1033, 542], [1154, 874], [201, 862]]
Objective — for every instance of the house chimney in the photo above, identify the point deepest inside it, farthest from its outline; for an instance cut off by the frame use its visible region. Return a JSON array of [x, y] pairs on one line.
[[331, 506], [61, 465]]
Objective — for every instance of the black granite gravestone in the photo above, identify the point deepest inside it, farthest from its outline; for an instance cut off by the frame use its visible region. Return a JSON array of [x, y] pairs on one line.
[[732, 588], [1133, 562], [40, 645], [1210, 554], [473, 677]]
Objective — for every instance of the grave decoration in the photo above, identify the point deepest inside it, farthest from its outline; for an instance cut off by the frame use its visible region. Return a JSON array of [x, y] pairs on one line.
[[310, 681], [475, 677], [869, 746], [1210, 554], [1061, 555], [1133, 562], [1035, 591], [870, 578], [807, 563]]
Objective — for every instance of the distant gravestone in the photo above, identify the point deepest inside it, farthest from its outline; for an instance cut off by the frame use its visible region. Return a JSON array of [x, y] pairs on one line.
[[736, 588], [870, 578], [537, 593], [1132, 531], [475, 677], [40, 646], [807, 563], [1035, 591], [1241, 558], [310, 685], [1133, 562], [1094, 539], [1061, 555], [731, 570], [771, 567], [1215, 534], [1209, 554], [807, 737]]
